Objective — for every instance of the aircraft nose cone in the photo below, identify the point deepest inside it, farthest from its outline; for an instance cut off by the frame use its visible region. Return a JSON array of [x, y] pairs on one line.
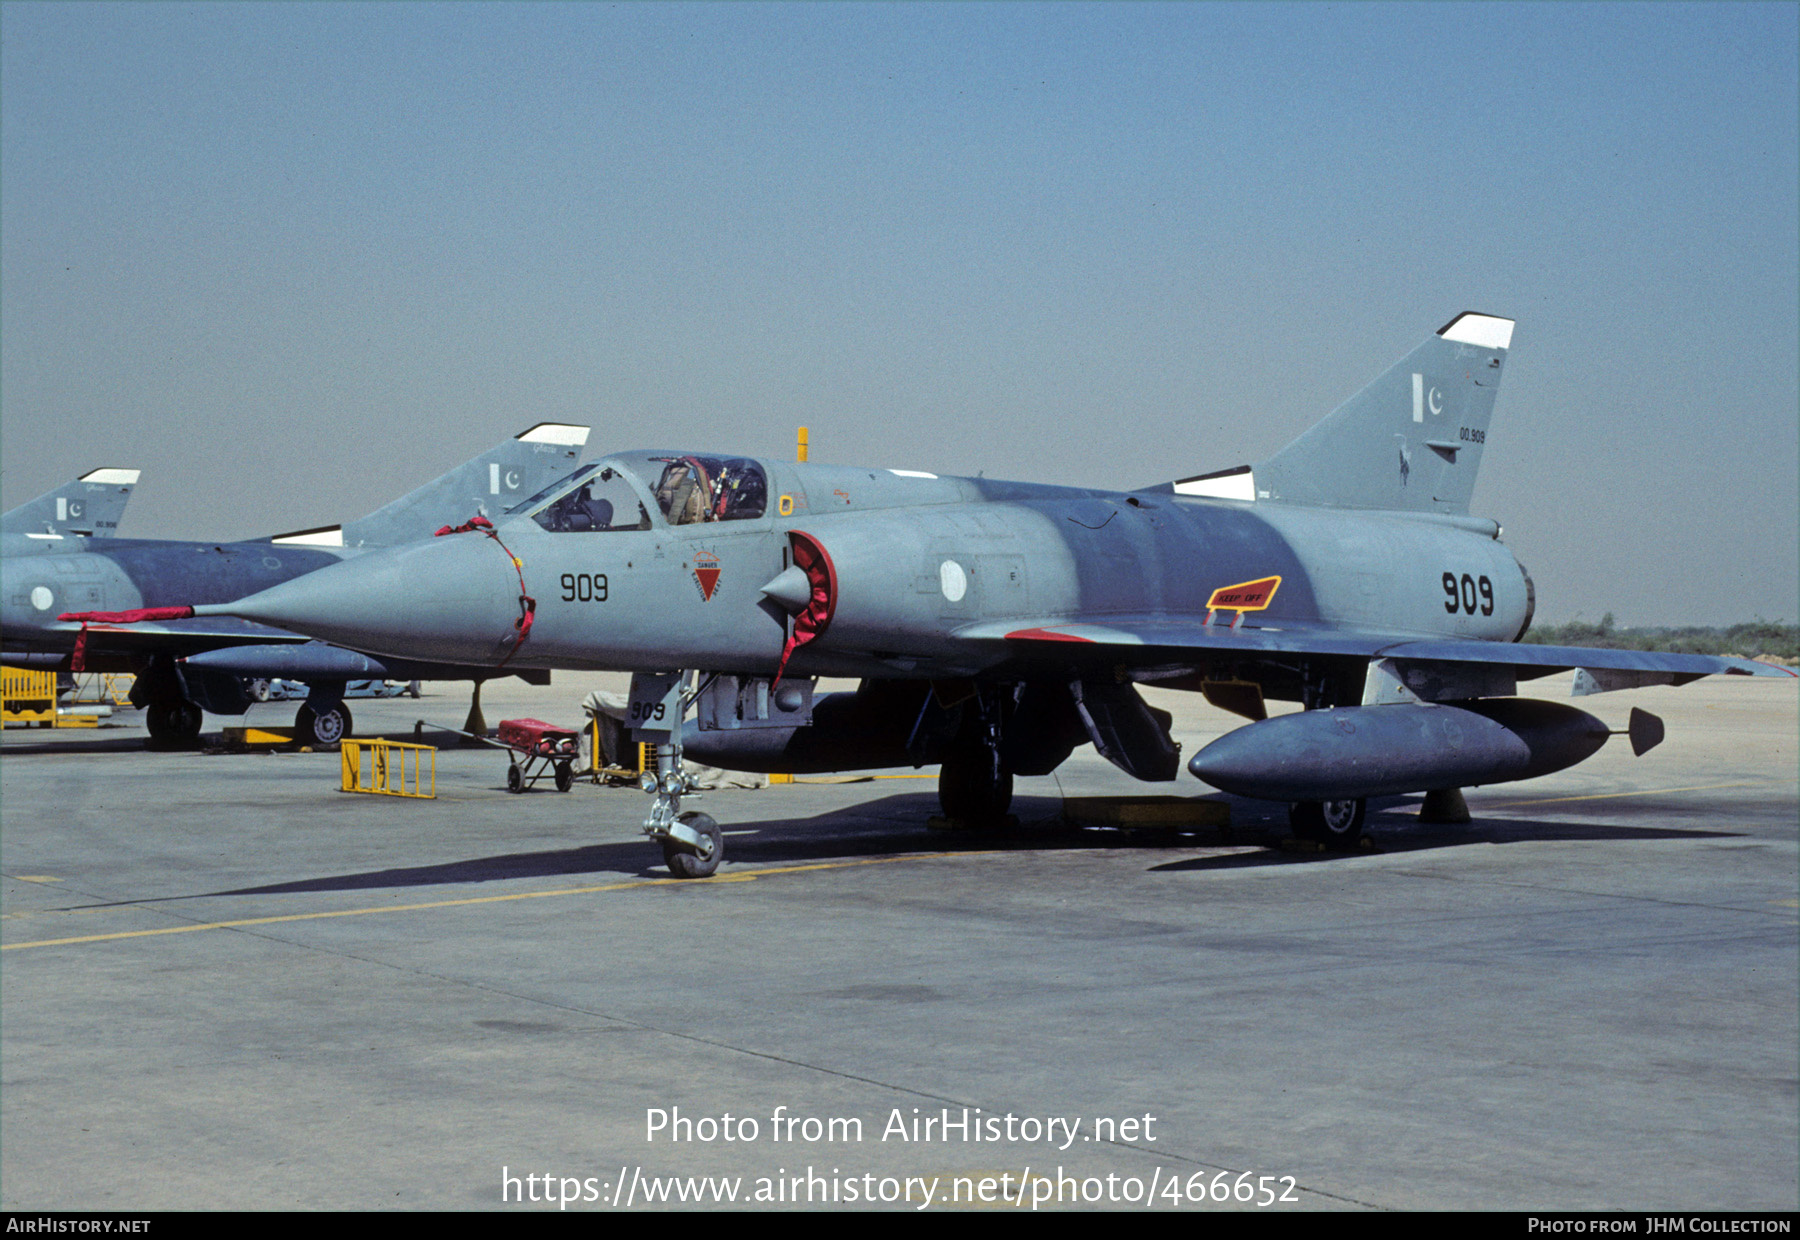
[[453, 599]]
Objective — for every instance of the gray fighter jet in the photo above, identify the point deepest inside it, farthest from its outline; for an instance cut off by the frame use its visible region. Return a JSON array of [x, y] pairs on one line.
[[997, 625], [89, 507], [185, 666]]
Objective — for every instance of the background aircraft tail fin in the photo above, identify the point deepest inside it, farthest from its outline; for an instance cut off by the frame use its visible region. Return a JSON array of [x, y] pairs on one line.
[[90, 505], [1411, 441], [487, 485]]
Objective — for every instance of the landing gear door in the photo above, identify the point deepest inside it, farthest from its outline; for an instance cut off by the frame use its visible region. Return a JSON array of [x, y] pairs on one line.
[[656, 706], [1128, 732]]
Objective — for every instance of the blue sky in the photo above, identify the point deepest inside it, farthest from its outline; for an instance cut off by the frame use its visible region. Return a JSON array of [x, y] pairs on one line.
[[291, 260]]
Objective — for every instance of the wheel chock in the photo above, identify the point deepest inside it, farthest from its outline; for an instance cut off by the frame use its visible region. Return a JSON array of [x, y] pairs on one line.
[[256, 738], [1162, 813]]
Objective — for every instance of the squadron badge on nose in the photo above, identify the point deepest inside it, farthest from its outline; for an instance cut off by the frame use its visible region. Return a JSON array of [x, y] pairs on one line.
[[706, 573]]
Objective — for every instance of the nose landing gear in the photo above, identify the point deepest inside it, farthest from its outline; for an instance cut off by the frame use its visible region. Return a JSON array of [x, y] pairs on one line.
[[700, 858], [692, 844]]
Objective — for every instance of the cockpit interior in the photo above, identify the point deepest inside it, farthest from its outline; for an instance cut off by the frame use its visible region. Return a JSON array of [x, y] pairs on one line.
[[689, 490]]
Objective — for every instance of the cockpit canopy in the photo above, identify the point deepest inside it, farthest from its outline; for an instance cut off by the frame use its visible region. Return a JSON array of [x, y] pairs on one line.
[[594, 497], [689, 490], [693, 489]]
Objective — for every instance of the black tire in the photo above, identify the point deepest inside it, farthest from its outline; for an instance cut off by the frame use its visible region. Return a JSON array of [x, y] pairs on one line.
[[975, 787], [515, 778], [1338, 823], [188, 719], [322, 729], [172, 722], [565, 777], [257, 688], [685, 864]]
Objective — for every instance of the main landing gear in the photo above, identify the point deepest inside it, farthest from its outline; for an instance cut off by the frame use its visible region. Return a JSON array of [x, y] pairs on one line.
[[975, 788], [322, 725], [975, 784], [1335, 824], [1338, 824], [170, 716], [173, 722]]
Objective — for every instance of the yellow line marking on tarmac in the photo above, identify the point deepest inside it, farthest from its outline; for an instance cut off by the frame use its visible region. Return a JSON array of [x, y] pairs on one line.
[[1645, 792], [741, 877], [849, 779], [36, 878]]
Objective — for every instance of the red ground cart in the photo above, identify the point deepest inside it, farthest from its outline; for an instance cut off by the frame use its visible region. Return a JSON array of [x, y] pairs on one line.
[[539, 750]]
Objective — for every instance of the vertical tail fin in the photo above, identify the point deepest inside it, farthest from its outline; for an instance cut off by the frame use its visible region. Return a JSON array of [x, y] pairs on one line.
[[91, 506], [1411, 441], [488, 485], [485, 486]]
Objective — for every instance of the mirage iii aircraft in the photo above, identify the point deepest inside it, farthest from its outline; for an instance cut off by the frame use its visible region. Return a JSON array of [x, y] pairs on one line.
[[997, 625], [185, 665]]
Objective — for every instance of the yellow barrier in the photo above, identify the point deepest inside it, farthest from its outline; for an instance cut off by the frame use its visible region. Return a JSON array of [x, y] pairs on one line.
[[388, 767], [644, 754], [631, 759], [27, 696], [103, 689]]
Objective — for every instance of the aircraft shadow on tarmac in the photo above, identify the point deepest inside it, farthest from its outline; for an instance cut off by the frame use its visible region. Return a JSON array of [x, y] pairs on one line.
[[134, 743], [1392, 833], [894, 827]]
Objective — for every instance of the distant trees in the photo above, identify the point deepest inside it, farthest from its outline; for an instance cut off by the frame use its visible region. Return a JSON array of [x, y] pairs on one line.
[[1751, 639]]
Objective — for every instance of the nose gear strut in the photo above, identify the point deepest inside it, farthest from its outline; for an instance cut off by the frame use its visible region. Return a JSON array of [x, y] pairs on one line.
[[692, 843]]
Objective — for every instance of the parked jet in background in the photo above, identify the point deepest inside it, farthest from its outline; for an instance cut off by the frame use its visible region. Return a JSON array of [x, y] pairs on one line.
[[89, 507], [132, 575], [997, 625]]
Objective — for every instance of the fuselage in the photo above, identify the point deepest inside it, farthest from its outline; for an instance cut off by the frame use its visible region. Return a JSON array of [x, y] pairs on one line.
[[123, 574], [915, 562]]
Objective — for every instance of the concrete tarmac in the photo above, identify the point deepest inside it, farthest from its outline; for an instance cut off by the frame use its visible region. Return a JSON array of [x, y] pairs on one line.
[[225, 984]]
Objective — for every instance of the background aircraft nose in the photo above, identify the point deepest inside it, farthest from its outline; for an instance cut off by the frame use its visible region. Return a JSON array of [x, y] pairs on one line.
[[454, 599]]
